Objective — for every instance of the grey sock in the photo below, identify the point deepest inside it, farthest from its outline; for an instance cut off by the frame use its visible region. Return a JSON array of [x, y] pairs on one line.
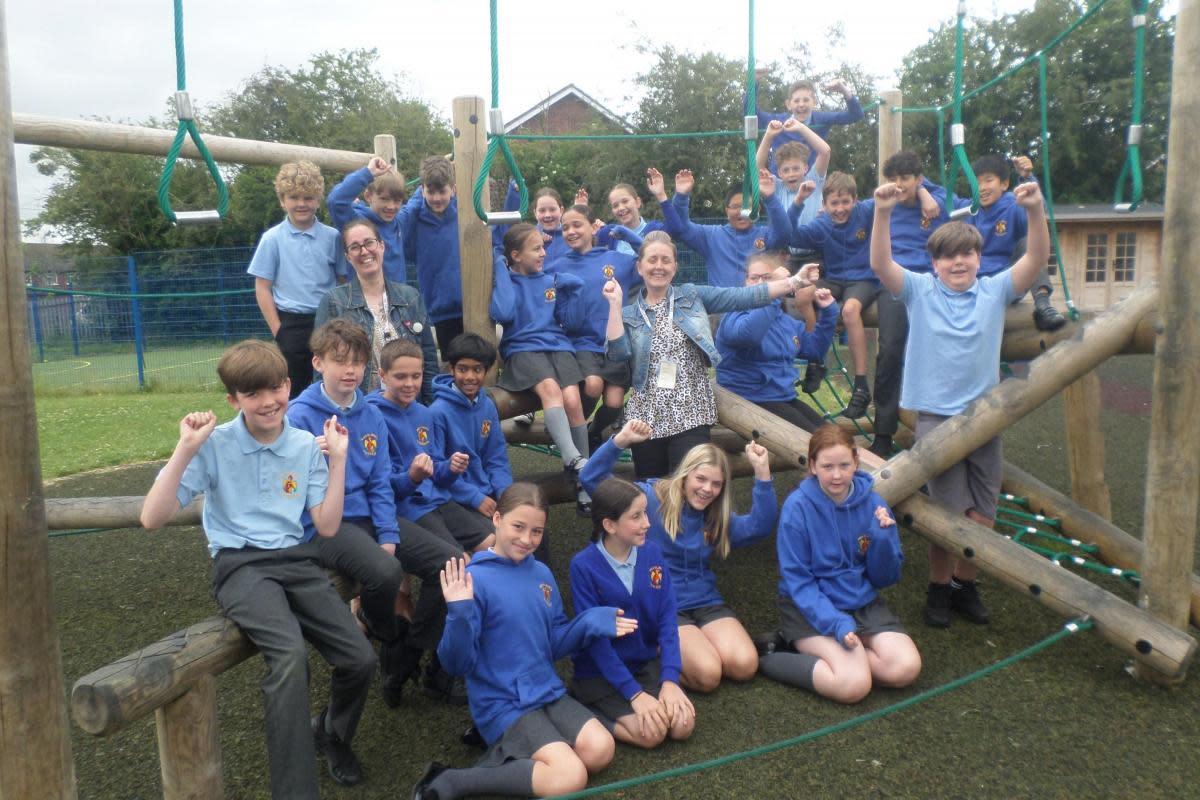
[[513, 778], [560, 432], [579, 435], [795, 669]]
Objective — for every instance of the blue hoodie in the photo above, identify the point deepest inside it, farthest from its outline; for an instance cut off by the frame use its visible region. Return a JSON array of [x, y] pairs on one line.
[[555, 247], [724, 249], [344, 206], [594, 268], [758, 350], [473, 428], [910, 231], [431, 242], [652, 604], [411, 431], [845, 248], [687, 555], [507, 638], [1003, 225], [833, 557], [368, 458], [532, 308]]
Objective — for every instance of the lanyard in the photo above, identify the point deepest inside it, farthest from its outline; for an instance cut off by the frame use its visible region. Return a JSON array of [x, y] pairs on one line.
[[670, 307]]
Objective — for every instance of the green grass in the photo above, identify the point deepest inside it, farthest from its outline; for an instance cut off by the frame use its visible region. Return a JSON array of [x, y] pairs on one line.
[[102, 430], [1067, 723], [168, 369]]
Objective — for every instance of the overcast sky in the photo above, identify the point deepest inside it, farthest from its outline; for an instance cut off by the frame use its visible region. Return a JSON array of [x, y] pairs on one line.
[[115, 58]]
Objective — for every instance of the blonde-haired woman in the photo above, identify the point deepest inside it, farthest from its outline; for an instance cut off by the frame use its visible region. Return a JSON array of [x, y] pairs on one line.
[[691, 520]]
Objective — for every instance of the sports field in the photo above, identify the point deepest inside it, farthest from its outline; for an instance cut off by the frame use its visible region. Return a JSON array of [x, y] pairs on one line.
[[168, 369]]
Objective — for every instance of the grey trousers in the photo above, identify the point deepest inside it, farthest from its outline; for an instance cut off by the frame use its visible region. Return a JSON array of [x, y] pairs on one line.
[[355, 553], [280, 598], [889, 363]]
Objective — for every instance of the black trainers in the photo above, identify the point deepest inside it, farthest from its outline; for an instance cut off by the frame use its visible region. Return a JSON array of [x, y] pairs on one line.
[[344, 766], [858, 403], [813, 377], [398, 663], [583, 501], [441, 685], [1048, 318], [421, 790], [937, 605], [964, 598], [473, 738], [771, 642], [524, 420]]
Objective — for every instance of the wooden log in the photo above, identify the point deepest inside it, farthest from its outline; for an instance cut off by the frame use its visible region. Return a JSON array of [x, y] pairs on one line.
[[1085, 445], [1117, 548], [474, 235], [35, 743], [70, 513], [1012, 399], [891, 128], [385, 147], [1173, 467], [189, 750], [1026, 344], [1127, 627], [113, 138]]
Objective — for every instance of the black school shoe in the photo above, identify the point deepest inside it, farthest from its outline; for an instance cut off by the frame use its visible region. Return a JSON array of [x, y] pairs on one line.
[[964, 598], [1048, 318], [421, 790], [937, 605], [772, 642], [344, 766], [398, 663], [473, 738], [441, 685], [858, 403]]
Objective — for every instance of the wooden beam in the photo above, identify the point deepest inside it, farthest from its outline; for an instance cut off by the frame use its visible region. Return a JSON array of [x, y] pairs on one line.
[[1117, 548], [113, 138], [35, 743], [1085, 445], [189, 749], [1125, 626], [1173, 467], [1012, 399], [891, 128], [474, 235]]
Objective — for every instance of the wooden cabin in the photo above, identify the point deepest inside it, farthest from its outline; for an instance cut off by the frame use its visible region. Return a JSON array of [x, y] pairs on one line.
[[1107, 254]]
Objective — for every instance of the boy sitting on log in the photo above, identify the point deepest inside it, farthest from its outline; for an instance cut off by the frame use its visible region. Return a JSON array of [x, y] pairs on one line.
[[952, 357]]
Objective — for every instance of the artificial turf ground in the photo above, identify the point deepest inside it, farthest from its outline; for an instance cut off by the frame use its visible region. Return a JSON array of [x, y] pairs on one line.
[[1068, 722]]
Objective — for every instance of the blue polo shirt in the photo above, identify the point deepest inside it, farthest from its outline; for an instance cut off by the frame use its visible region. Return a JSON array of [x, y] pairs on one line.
[[302, 265], [624, 571], [953, 351], [254, 493]]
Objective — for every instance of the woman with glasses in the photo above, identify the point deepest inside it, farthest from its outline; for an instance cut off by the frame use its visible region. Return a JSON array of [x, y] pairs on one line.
[[386, 310]]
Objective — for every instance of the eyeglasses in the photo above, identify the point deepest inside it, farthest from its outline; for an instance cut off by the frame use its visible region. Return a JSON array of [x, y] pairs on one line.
[[358, 247]]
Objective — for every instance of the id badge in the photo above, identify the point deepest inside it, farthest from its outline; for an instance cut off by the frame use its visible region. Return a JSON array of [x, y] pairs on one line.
[[667, 372]]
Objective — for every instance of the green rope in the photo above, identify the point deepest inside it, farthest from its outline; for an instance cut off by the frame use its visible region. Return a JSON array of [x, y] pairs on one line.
[[1132, 168], [1067, 630], [613, 137], [750, 179], [960, 160], [498, 139], [135, 295], [1037, 519], [1048, 189], [187, 128]]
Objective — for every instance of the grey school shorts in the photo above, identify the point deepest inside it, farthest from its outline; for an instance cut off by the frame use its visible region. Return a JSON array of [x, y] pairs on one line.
[[607, 701], [560, 721], [864, 292], [875, 617], [617, 373], [973, 482], [524, 370], [702, 615]]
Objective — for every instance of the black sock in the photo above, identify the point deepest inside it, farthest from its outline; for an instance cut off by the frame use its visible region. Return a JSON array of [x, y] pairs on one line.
[[882, 443], [794, 669], [605, 416], [513, 778], [1041, 299]]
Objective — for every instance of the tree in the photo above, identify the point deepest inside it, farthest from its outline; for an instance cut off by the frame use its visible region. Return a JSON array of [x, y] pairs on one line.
[[1089, 94], [337, 100]]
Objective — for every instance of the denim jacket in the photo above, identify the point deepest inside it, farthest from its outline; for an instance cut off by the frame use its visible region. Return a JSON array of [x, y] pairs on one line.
[[406, 312], [693, 304]]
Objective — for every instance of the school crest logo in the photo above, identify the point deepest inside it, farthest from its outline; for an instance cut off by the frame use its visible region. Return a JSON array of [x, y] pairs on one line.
[[864, 542], [609, 271], [656, 576], [760, 244], [550, 295], [860, 234], [370, 443], [290, 484], [925, 223], [547, 593], [422, 435], [796, 341], [485, 428], [1001, 228]]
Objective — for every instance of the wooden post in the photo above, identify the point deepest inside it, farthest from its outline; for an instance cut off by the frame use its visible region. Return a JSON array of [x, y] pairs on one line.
[[1123, 625], [1085, 445], [474, 235], [385, 148], [35, 747], [891, 127], [189, 750], [1173, 468]]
